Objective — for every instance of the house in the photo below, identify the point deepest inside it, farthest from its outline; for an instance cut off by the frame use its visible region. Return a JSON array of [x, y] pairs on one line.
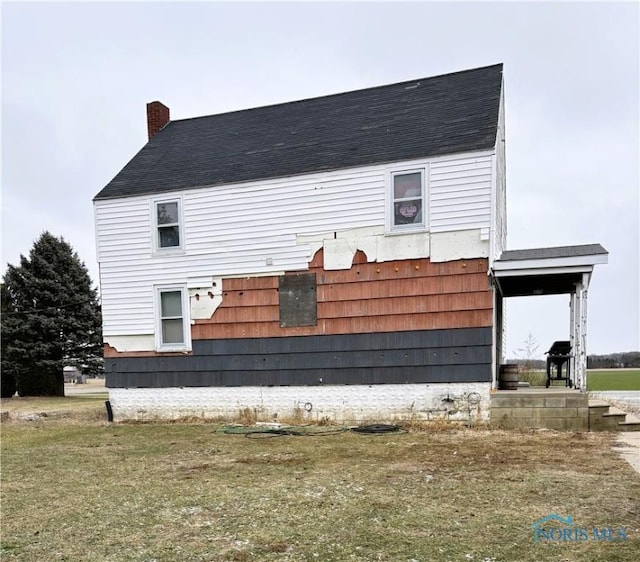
[[332, 256]]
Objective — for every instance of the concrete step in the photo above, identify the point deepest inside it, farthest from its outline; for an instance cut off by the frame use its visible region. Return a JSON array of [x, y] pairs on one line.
[[605, 417], [525, 398], [597, 409], [629, 426], [610, 423], [631, 423]]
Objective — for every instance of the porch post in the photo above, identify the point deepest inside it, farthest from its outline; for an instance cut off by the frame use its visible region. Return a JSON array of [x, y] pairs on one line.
[[580, 324], [572, 334], [586, 277], [498, 336], [577, 350]]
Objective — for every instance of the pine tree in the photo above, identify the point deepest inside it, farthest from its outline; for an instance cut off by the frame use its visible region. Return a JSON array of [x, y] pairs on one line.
[[51, 318], [8, 379]]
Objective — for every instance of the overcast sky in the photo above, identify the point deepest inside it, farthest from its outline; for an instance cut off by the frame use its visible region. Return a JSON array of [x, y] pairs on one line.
[[76, 78]]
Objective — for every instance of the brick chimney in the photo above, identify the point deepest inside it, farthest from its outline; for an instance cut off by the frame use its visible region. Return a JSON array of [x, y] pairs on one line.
[[157, 117]]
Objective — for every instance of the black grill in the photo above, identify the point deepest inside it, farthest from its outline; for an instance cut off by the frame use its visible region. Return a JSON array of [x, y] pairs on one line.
[[559, 355]]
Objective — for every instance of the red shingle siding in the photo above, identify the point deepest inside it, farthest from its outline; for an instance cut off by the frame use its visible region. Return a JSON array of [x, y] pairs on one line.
[[370, 297]]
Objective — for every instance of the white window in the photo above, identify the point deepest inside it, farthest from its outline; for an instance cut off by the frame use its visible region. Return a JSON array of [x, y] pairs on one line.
[[172, 329], [407, 200], [168, 232]]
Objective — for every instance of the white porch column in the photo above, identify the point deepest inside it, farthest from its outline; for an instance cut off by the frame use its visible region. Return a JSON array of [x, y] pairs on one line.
[[580, 324], [586, 277]]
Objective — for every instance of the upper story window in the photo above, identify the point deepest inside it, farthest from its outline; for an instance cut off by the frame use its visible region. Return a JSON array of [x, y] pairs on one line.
[[168, 225], [407, 200]]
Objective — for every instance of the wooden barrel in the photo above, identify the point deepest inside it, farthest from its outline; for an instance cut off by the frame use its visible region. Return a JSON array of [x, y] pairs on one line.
[[508, 377]]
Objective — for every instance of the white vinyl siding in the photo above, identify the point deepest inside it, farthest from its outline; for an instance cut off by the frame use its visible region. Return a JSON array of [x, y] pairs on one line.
[[252, 228], [460, 193]]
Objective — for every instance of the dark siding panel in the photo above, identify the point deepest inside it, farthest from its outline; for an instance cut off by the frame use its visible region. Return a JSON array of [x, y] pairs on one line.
[[388, 340], [468, 355], [310, 377], [462, 355]]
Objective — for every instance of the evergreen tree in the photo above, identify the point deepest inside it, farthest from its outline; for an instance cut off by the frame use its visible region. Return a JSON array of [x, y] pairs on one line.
[[51, 318], [8, 380]]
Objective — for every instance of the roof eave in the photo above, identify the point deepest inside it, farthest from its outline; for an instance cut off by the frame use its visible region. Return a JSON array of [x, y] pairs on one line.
[[537, 264]]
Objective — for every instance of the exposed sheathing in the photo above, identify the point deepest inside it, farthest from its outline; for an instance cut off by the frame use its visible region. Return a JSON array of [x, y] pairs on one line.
[[369, 297]]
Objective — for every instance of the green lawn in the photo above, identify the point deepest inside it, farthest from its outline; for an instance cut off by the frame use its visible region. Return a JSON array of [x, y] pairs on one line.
[[605, 379], [613, 379]]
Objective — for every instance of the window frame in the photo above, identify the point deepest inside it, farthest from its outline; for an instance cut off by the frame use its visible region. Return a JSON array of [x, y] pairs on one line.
[[423, 225], [185, 345], [157, 249]]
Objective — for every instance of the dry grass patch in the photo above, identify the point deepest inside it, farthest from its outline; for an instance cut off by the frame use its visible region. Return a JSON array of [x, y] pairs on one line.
[[187, 492], [76, 408]]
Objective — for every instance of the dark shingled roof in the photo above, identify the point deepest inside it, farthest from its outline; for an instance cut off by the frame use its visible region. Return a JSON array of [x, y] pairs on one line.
[[426, 117], [557, 252]]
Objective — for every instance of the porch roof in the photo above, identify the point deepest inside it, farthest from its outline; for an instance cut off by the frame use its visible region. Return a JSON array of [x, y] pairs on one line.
[[546, 271]]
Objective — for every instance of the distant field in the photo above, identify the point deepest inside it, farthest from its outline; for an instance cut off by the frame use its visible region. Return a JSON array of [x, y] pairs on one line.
[[613, 379], [597, 379]]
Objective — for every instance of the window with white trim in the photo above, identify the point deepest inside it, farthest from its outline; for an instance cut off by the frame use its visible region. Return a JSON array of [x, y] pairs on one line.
[[168, 234], [173, 323], [407, 200]]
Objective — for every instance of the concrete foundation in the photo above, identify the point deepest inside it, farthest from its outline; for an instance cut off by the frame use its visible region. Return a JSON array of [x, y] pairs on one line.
[[466, 402]]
